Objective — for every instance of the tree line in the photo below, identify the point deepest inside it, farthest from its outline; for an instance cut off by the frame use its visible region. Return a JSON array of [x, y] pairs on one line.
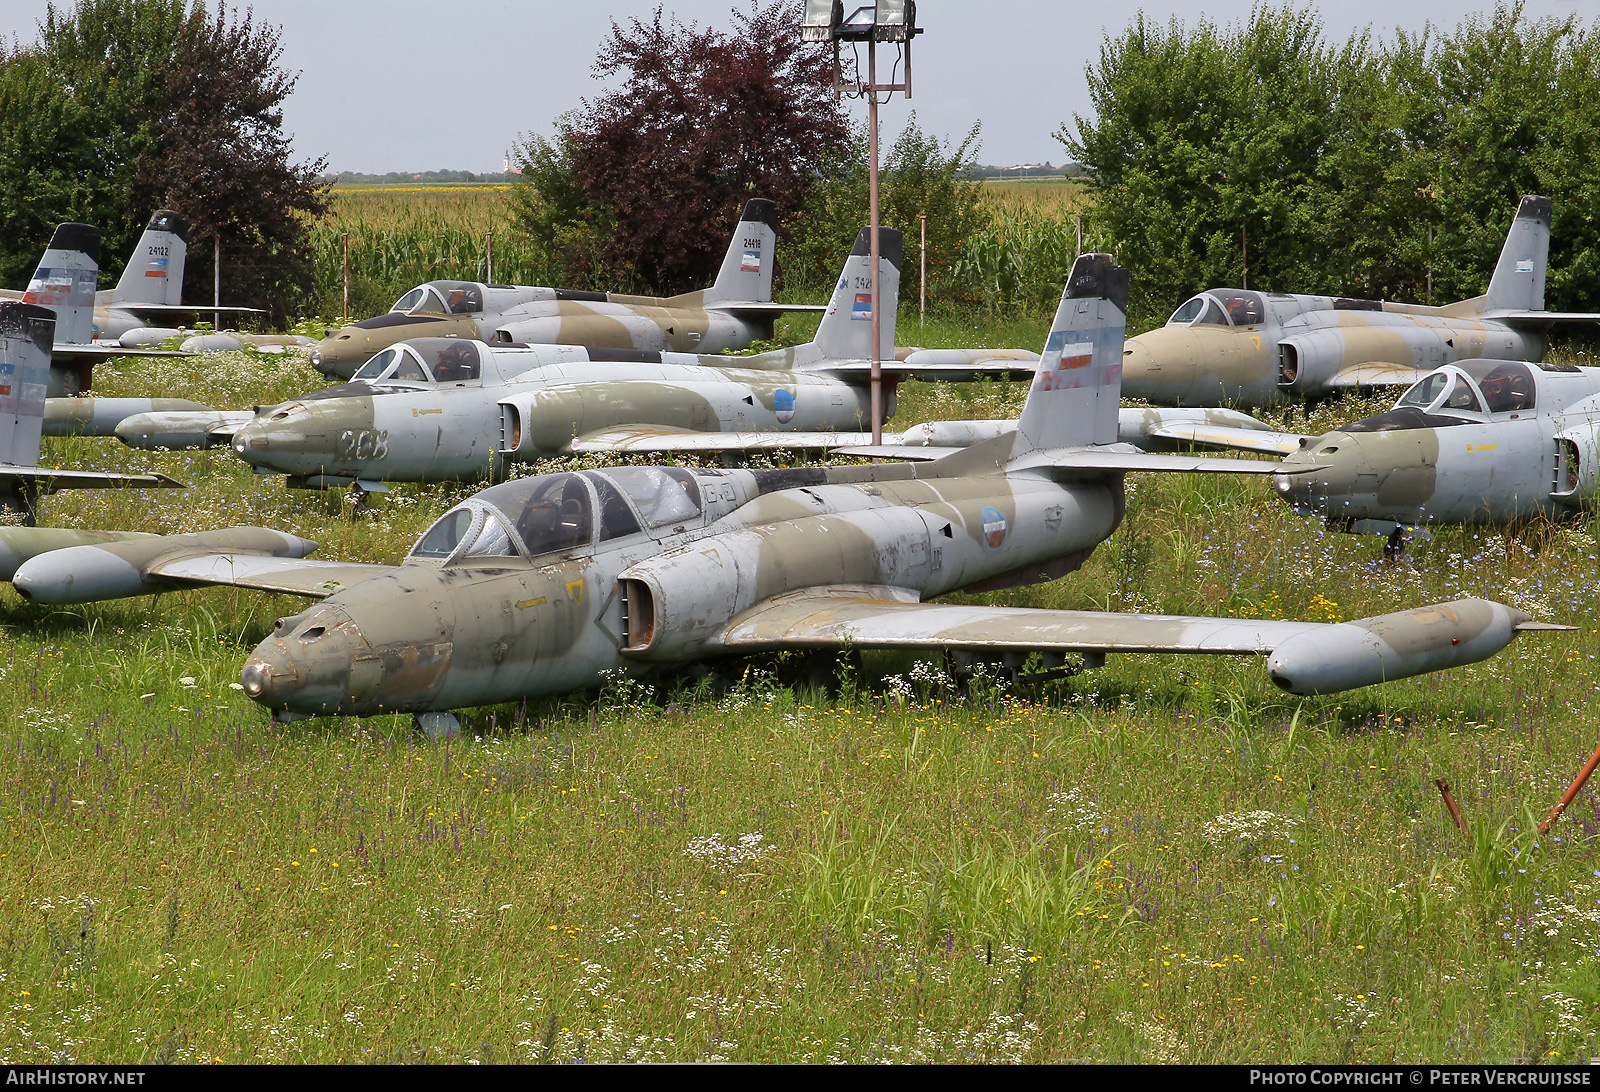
[[1376, 168]]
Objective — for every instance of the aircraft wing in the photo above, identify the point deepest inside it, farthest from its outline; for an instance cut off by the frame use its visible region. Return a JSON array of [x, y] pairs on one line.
[[61, 570], [1238, 439], [646, 438], [180, 430], [1376, 374], [1305, 657], [945, 364], [50, 480], [296, 576]]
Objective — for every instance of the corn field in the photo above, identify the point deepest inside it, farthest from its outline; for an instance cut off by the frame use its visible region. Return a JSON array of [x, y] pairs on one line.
[[401, 236]]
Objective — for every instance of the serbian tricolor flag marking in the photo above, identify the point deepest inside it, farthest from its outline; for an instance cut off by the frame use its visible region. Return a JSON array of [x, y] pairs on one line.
[[862, 308]]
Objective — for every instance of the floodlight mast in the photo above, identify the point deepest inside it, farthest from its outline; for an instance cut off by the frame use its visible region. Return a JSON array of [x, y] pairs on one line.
[[885, 21]]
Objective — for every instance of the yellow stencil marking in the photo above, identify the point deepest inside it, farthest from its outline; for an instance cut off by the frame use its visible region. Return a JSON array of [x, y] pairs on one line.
[[531, 602], [575, 589], [1481, 447], [424, 412], [1255, 339]]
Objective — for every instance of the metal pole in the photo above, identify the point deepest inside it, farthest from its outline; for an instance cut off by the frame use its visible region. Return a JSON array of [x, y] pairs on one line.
[[872, 179], [922, 277], [488, 257], [1078, 216], [216, 270], [1244, 255], [1572, 790], [347, 275]]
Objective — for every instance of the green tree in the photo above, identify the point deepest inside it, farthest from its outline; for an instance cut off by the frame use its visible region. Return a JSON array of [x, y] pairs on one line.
[[1358, 170], [919, 174], [158, 104]]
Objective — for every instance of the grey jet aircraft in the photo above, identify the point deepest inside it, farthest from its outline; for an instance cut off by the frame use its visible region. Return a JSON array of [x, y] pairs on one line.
[[544, 584], [27, 333], [440, 409], [64, 282], [1252, 349], [1489, 442], [736, 310]]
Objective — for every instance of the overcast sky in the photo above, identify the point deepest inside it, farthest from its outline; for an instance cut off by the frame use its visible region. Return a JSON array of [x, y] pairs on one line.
[[428, 85]]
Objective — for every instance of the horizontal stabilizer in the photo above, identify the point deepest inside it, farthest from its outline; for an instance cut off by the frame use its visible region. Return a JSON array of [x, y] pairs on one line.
[[1237, 439], [93, 352], [48, 480], [1541, 318], [183, 308], [1105, 459], [767, 310]]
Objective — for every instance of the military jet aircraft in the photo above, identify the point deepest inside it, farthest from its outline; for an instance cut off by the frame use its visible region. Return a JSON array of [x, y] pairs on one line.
[[733, 312], [64, 282], [1253, 349], [1477, 442], [26, 336], [542, 584], [440, 409]]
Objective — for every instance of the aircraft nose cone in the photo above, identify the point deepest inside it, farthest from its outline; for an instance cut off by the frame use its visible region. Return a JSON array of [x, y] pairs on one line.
[[1342, 471], [1140, 369], [290, 674]]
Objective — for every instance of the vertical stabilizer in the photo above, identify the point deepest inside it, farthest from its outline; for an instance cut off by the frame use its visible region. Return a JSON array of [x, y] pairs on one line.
[[1076, 391], [26, 334], [746, 273], [1518, 281], [845, 332], [155, 272], [65, 281]]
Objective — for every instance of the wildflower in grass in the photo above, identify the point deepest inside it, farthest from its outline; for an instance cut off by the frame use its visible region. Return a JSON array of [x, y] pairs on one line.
[[1246, 828], [720, 854]]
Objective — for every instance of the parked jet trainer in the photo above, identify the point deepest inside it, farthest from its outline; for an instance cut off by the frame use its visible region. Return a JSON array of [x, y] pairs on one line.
[[542, 584], [439, 409], [1253, 349], [736, 310], [27, 333], [1478, 442]]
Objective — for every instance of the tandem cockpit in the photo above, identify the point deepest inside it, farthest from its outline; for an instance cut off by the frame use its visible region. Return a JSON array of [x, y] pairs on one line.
[[1466, 392], [554, 516], [1221, 307], [441, 298], [425, 360]]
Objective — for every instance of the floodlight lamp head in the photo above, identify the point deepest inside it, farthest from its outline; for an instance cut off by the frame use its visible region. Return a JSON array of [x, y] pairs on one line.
[[819, 20], [884, 21]]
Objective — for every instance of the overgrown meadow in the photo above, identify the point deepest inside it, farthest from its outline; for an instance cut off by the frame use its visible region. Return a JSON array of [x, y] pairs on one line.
[[1166, 860]]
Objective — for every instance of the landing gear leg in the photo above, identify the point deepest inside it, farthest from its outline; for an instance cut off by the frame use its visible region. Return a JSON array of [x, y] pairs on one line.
[[1396, 544], [438, 726], [360, 500]]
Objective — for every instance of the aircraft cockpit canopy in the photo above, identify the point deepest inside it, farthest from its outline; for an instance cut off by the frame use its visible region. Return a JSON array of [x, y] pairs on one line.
[[1474, 387], [1443, 392], [425, 360], [1221, 307], [557, 513], [441, 298]]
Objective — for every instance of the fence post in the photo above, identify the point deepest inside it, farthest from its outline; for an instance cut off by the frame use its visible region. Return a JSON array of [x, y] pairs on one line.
[[216, 271], [346, 237], [488, 257], [922, 276]]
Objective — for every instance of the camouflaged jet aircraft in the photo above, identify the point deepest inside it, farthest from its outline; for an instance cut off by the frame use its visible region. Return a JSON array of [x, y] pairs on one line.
[[1477, 442], [26, 336], [440, 409], [543, 584], [1252, 349], [64, 282], [736, 310]]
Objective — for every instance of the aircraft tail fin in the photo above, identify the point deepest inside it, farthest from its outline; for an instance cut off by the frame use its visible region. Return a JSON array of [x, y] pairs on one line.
[[746, 273], [1518, 281], [1077, 390], [65, 281], [26, 334], [845, 332], [155, 272]]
